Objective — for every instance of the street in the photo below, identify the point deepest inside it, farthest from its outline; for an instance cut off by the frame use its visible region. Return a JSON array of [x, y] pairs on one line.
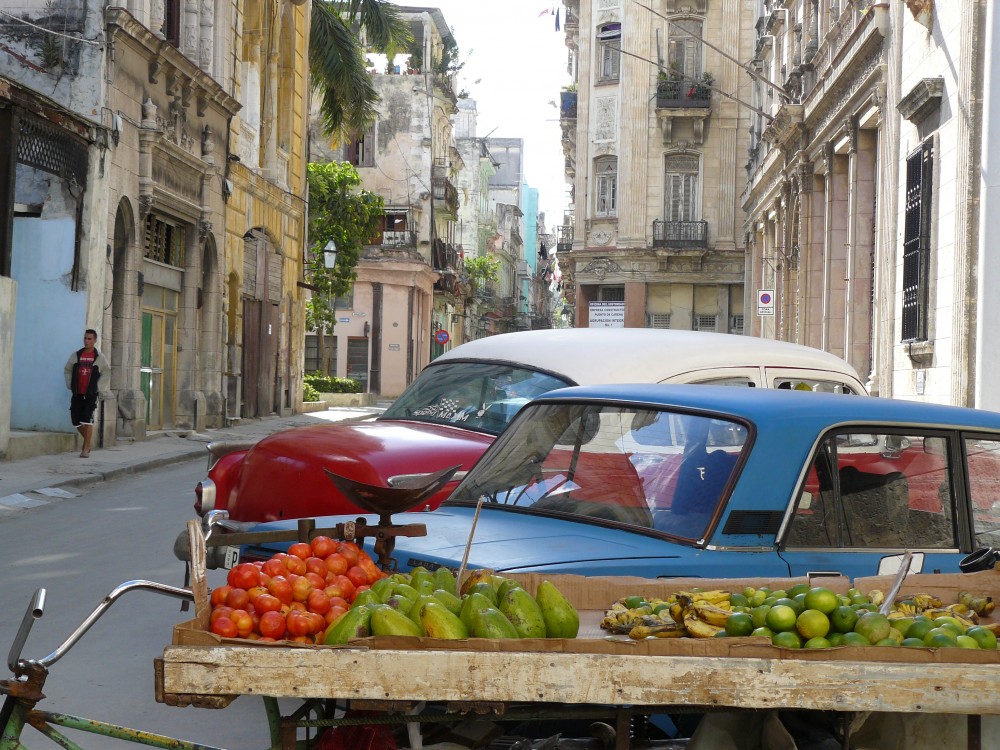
[[79, 550]]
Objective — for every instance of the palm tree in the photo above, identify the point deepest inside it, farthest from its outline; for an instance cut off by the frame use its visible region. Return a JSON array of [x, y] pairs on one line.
[[337, 60]]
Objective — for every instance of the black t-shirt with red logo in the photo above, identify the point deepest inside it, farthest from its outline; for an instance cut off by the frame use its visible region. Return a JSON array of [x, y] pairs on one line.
[[83, 372]]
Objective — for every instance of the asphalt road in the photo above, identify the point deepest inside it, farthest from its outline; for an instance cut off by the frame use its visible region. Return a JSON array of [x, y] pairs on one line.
[[79, 549]]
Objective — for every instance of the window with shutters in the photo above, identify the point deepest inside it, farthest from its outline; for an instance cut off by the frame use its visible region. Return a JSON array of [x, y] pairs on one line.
[[607, 186], [916, 241], [360, 150], [681, 194], [172, 22], [684, 49], [164, 241], [657, 320], [609, 38], [736, 324]]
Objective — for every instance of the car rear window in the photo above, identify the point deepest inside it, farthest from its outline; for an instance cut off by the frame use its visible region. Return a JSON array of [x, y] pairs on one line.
[[476, 395], [655, 469]]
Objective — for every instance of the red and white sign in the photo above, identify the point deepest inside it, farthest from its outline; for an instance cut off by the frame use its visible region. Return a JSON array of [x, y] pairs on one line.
[[765, 302]]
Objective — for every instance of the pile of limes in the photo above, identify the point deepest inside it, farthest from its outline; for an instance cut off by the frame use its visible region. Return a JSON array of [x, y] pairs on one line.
[[816, 617]]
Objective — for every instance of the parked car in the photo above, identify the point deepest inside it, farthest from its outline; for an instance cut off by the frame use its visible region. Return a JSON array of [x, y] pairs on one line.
[[655, 480], [460, 402]]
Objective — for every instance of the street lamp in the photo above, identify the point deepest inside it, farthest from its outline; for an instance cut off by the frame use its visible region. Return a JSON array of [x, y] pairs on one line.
[[330, 255]]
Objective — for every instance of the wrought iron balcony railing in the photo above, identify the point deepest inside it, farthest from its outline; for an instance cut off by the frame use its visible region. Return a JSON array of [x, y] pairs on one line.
[[680, 233]]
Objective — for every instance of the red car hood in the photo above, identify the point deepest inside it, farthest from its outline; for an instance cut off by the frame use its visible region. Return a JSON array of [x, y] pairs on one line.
[[282, 476]]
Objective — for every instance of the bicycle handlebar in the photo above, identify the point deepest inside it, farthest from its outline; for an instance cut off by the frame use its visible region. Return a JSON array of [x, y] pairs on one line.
[[35, 610]]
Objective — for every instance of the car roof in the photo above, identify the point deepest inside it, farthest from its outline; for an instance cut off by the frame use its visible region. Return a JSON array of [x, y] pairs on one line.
[[770, 405], [602, 355]]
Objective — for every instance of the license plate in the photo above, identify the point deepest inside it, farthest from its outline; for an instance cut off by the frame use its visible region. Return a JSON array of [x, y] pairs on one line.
[[231, 558]]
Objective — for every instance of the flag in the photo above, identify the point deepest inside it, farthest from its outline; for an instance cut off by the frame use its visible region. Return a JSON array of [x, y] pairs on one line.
[[557, 19], [545, 12]]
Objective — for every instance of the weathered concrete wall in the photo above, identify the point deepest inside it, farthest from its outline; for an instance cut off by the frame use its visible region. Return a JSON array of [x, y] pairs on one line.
[[8, 306]]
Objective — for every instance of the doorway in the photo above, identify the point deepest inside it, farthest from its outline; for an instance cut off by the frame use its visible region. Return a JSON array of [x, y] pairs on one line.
[[158, 355]]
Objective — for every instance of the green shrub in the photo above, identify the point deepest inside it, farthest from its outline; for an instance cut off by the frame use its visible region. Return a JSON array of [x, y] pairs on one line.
[[309, 393], [325, 384]]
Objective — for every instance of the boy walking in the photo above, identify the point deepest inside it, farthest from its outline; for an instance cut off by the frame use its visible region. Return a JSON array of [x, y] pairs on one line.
[[88, 375]]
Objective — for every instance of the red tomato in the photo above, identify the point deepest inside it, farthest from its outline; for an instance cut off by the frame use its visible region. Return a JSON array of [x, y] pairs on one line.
[[243, 622], [318, 582], [322, 546], [225, 627], [339, 601], [272, 625], [281, 588], [318, 602], [349, 550], [347, 588], [257, 591], [316, 565], [238, 599], [300, 550], [267, 603], [220, 611], [244, 576], [333, 614], [337, 564], [358, 576], [275, 566], [296, 565], [298, 624], [301, 587], [219, 595]]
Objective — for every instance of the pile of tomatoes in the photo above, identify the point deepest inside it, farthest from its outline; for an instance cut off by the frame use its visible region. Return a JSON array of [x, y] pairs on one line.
[[293, 596]]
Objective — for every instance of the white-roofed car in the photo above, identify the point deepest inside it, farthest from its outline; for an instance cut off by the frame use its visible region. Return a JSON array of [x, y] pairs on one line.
[[462, 400]]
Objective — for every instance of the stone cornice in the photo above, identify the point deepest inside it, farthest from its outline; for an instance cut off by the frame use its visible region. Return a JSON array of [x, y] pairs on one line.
[[163, 56], [923, 98]]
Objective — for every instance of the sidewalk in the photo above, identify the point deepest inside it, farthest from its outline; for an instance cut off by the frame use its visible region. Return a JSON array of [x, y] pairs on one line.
[[31, 482]]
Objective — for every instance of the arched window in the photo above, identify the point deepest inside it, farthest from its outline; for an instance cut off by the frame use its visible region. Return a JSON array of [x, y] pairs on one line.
[[681, 187], [606, 194]]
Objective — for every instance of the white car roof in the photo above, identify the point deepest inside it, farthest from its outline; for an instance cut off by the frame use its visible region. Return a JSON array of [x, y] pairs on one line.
[[590, 356]]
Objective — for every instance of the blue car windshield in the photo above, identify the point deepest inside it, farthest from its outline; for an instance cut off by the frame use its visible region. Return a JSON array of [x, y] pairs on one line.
[[475, 395], [655, 469]]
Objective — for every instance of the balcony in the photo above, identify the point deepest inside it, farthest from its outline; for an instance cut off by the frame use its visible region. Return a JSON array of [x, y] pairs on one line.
[[444, 189], [680, 97], [567, 105], [564, 238], [680, 234]]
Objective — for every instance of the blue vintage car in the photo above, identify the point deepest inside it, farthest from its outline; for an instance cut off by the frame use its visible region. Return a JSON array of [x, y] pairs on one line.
[[715, 482]]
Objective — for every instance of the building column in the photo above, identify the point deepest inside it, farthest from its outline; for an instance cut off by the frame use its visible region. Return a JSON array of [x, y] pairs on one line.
[[635, 304], [858, 293], [814, 257]]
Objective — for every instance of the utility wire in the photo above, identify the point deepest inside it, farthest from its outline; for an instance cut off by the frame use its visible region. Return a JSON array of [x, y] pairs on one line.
[[54, 33]]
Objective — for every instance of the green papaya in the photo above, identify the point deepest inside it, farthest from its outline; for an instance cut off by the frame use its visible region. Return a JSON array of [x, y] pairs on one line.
[[506, 585], [425, 586], [561, 618], [523, 612], [383, 589], [354, 623], [491, 623], [471, 604], [405, 589], [445, 579], [483, 575], [438, 622], [401, 603], [452, 602], [418, 574], [389, 621], [366, 597], [414, 613], [486, 590]]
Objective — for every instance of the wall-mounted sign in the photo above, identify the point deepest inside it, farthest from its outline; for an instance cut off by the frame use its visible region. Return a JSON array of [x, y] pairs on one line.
[[393, 347], [343, 320], [442, 336], [606, 314], [765, 302], [359, 313]]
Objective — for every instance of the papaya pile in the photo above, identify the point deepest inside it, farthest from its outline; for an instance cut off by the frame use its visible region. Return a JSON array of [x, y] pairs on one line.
[[810, 617], [425, 603]]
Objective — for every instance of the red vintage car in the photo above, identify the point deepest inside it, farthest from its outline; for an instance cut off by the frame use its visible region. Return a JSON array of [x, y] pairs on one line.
[[460, 402]]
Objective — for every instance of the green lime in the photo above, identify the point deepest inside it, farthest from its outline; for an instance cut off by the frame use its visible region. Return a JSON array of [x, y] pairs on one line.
[[822, 599], [738, 600], [902, 624], [888, 642], [855, 639], [798, 588], [859, 599], [762, 633], [817, 642], [719, 634], [951, 622], [920, 628], [965, 641], [913, 643], [779, 593], [812, 624], [836, 639], [784, 601], [940, 638], [757, 597], [873, 625], [781, 618], [787, 639], [634, 602], [739, 624], [664, 607], [843, 618], [983, 636], [759, 615]]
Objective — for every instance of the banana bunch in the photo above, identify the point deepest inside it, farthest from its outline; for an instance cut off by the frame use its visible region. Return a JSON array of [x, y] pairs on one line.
[[967, 618], [876, 597], [981, 605], [698, 614], [918, 603]]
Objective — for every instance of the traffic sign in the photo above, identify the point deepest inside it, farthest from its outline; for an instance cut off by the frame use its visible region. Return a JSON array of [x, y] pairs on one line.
[[765, 302], [442, 336]]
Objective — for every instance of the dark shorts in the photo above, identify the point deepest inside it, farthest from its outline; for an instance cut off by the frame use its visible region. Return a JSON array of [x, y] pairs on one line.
[[81, 409]]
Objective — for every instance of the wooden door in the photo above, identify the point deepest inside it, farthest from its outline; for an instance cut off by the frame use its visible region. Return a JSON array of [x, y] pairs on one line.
[[251, 357]]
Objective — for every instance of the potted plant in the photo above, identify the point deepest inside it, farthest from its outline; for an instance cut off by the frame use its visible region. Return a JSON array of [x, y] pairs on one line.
[[668, 84], [703, 89]]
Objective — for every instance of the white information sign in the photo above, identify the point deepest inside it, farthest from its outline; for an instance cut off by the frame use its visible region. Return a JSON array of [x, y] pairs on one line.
[[607, 314], [765, 302]]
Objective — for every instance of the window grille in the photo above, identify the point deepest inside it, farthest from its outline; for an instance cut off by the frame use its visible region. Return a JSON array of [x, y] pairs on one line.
[[657, 320], [164, 242], [704, 322], [916, 242], [736, 325], [612, 294]]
